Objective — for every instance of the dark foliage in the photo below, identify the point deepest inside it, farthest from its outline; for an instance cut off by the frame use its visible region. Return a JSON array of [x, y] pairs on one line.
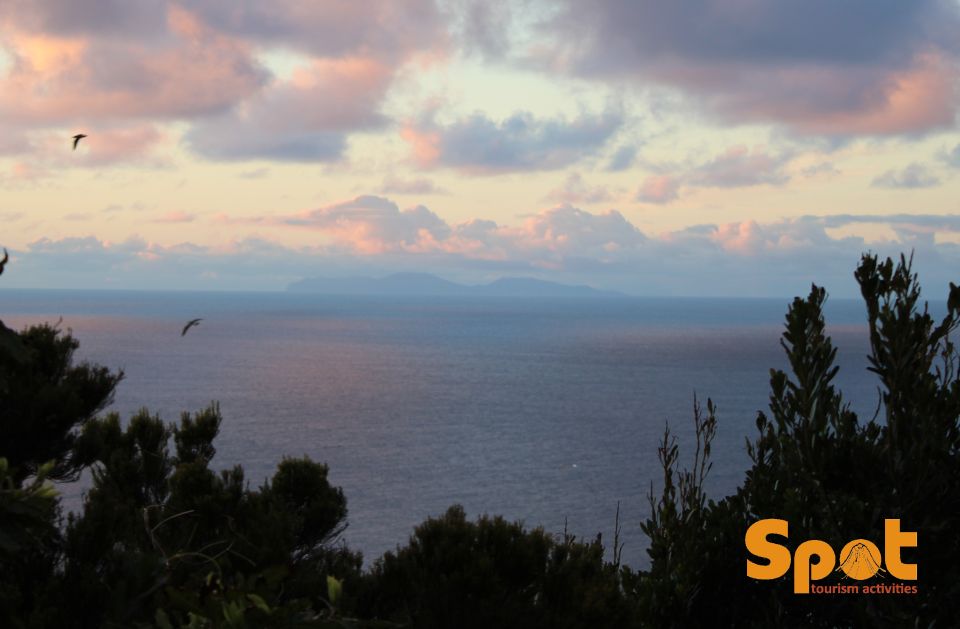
[[493, 573], [45, 400], [831, 475], [161, 530]]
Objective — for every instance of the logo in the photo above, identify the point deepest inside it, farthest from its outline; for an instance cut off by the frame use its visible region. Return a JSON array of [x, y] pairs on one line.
[[814, 560]]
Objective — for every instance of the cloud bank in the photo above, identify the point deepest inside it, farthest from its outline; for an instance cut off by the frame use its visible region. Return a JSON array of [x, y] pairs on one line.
[[372, 235]]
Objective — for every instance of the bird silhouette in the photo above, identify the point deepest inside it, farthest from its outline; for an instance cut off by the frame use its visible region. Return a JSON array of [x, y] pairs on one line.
[[3, 262], [189, 325], [76, 140]]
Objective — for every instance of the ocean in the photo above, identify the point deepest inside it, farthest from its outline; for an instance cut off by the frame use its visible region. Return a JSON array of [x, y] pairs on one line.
[[543, 410]]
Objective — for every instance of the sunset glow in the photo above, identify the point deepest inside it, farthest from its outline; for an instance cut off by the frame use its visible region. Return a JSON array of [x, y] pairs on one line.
[[729, 150]]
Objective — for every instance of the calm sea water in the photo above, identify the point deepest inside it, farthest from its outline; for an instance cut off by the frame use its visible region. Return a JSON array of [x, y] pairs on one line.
[[547, 411]]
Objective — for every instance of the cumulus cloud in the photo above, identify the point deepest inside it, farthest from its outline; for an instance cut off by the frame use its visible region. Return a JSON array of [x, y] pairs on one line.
[[371, 225], [372, 236], [573, 230], [818, 67], [522, 142], [912, 176]]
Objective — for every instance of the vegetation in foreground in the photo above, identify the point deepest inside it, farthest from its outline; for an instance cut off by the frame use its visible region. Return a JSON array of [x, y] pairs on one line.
[[164, 541]]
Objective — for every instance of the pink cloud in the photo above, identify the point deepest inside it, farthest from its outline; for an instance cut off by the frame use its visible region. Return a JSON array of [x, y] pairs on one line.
[[305, 118], [425, 144], [826, 100], [745, 238], [658, 189], [110, 64], [373, 225], [63, 80], [111, 146], [570, 229], [817, 67]]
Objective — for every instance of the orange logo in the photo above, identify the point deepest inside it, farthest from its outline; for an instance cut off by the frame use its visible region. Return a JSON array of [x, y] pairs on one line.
[[814, 559]]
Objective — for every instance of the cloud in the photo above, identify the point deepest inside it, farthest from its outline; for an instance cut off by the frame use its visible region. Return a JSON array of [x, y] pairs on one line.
[[304, 119], [372, 225], [372, 236], [176, 216], [392, 185], [103, 18], [383, 29], [914, 230], [913, 176], [108, 64], [576, 190], [64, 77], [483, 26], [14, 141], [738, 167], [622, 159], [952, 157], [23, 173], [522, 142], [823, 169], [127, 145], [658, 189], [575, 231], [858, 68]]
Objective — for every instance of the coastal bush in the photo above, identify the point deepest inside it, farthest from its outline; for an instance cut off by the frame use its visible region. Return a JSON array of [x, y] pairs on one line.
[[830, 474], [494, 573]]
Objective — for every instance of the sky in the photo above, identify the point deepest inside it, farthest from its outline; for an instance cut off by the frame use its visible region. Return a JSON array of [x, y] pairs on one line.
[[691, 147]]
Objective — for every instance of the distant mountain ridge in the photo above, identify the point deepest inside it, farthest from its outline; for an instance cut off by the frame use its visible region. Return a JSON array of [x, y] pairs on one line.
[[425, 284]]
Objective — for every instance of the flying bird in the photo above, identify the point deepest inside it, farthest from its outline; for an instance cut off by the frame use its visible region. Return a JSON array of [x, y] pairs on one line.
[[3, 262], [77, 138], [189, 325]]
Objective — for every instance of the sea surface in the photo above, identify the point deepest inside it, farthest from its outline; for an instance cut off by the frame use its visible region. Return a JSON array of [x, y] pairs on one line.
[[547, 411]]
